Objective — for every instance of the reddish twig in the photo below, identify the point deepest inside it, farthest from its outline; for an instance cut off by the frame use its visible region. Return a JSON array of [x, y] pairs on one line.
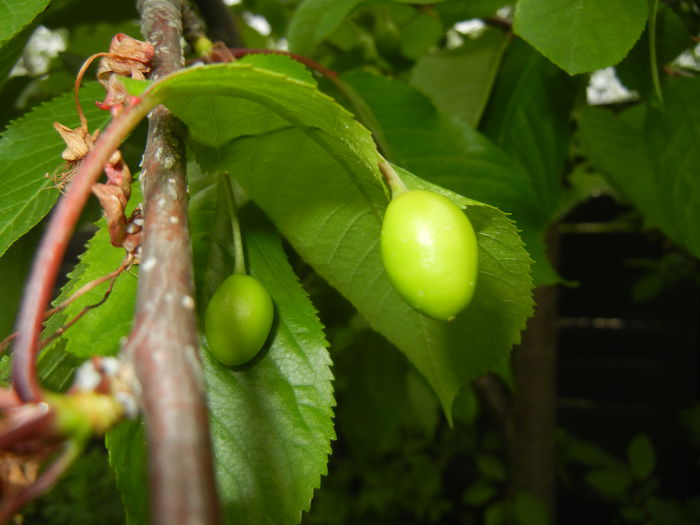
[[52, 248], [76, 88], [82, 291], [312, 64], [62, 329], [163, 343]]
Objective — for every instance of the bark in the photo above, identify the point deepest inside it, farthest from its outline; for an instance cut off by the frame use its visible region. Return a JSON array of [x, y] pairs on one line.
[[163, 344], [531, 426]]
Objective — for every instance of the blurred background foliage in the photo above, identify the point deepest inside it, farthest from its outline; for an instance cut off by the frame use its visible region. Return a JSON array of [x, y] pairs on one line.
[[628, 437]]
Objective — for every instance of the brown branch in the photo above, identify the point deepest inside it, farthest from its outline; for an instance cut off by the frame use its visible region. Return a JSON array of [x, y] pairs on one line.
[[163, 344], [531, 447], [500, 22]]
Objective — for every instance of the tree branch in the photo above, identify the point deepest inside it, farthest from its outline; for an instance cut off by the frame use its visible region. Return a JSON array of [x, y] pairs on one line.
[[163, 343], [533, 412]]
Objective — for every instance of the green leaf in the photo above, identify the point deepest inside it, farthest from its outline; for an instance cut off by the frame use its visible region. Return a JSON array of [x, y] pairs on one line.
[[86, 39], [383, 396], [529, 117], [17, 15], [135, 86], [126, 444], [422, 32], [479, 493], [491, 467], [14, 265], [100, 330], [654, 167], [271, 423], [586, 453], [210, 227], [459, 81], [443, 150], [319, 183], [30, 148], [672, 37], [641, 457], [529, 510], [497, 513], [11, 51], [581, 35], [610, 482], [671, 135], [668, 512], [86, 486], [313, 20], [280, 64]]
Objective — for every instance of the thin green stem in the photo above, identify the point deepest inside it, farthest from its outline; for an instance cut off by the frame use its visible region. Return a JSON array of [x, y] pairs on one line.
[[238, 252], [652, 50], [392, 179]]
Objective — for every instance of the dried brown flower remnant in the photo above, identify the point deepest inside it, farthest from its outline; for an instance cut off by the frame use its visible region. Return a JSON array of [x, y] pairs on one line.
[[78, 142], [114, 196], [116, 97], [128, 57], [17, 472]]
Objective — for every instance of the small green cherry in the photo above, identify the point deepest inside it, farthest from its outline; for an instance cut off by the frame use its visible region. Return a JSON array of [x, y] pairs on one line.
[[430, 253], [238, 319]]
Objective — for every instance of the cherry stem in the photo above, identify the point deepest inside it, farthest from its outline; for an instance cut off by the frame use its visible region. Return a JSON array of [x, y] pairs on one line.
[[76, 88], [652, 51], [238, 251], [396, 185]]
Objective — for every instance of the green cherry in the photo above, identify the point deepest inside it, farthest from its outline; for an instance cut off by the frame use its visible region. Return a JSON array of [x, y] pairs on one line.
[[430, 253], [238, 319]]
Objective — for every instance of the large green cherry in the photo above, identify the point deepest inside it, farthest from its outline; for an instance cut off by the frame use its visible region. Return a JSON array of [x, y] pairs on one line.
[[238, 319], [430, 253]]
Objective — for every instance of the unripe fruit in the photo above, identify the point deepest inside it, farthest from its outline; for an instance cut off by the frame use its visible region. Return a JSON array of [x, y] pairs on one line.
[[238, 319], [430, 253]]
